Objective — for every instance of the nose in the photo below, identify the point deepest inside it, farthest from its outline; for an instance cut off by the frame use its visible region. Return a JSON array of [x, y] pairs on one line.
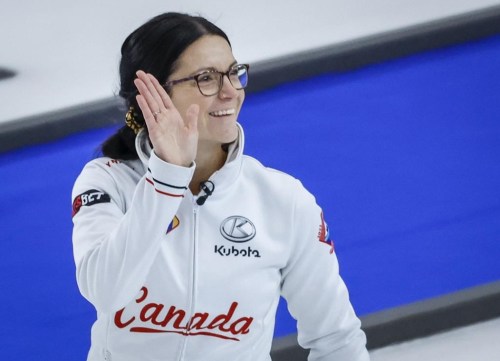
[[227, 89]]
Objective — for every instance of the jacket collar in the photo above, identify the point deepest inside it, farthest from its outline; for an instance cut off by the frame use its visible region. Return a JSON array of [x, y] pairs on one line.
[[226, 176]]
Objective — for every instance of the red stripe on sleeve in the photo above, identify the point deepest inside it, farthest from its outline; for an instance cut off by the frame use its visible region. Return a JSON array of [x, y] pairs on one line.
[[161, 192]]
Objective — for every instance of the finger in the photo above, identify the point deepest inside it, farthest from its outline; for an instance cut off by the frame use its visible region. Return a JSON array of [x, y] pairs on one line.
[[155, 91], [153, 98], [167, 102], [146, 112], [192, 117], [150, 102]]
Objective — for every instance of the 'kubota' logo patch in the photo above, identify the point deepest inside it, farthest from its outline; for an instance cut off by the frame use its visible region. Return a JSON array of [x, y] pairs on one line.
[[237, 229]]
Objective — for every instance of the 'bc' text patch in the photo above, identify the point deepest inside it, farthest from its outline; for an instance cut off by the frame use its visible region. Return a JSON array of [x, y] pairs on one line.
[[89, 198]]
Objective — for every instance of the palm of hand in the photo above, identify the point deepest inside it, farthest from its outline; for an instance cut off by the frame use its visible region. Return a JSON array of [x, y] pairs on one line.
[[174, 138]]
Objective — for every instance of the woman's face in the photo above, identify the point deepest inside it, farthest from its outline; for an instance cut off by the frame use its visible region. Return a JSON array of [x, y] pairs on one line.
[[218, 113]]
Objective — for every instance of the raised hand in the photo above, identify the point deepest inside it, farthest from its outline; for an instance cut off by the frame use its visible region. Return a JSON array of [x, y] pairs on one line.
[[174, 136]]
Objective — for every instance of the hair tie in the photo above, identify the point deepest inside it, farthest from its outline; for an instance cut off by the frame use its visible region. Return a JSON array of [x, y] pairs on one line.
[[131, 122]]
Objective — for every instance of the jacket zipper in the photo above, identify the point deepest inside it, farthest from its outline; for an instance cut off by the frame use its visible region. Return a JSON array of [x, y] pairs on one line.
[[192, 300]]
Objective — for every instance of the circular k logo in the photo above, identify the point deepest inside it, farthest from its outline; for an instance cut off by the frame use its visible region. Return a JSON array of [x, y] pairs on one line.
[[237, 229]]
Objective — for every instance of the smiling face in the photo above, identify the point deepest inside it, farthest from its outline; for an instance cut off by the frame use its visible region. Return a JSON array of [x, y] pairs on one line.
[[218, 113]]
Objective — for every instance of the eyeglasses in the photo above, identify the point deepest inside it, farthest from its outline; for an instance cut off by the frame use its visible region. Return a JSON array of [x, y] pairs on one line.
[[210, 82]]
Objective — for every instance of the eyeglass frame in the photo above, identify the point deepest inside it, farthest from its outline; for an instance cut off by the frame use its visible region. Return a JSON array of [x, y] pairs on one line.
[[195, 77]]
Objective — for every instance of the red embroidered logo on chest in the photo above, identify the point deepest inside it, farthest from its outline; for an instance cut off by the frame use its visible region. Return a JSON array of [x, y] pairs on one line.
[[157, 318]]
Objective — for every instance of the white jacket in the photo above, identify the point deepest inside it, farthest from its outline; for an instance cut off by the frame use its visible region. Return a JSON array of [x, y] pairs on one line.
[[172, 280]]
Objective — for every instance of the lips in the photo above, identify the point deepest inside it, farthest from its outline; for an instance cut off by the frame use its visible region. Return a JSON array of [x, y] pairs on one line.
[[222, 113]]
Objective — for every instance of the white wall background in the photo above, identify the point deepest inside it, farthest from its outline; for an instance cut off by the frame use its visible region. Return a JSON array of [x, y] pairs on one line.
[[66, 53]]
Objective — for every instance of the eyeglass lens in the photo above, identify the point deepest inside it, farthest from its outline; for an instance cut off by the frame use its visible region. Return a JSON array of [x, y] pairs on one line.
[[210, 83]]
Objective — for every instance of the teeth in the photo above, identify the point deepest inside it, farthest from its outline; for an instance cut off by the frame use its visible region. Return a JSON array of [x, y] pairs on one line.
[[221, 113]]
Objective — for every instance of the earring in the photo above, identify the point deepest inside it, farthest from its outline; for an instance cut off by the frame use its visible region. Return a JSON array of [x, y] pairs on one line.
[[131, 122]]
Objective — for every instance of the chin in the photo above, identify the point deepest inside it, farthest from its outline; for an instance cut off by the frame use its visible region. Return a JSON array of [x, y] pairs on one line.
[[220, 131], [230, 136], [229, 131]]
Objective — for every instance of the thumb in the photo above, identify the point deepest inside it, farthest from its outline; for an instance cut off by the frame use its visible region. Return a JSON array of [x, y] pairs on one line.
[[192, 116]]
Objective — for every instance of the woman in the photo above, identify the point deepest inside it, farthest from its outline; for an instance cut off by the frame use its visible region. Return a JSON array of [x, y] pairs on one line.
[[181, 242]]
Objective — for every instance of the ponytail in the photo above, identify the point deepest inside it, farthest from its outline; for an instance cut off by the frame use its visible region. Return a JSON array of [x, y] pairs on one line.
[[120, 145]]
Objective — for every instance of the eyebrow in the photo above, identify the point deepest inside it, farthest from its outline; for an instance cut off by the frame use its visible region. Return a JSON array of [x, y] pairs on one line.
[[201, 70]]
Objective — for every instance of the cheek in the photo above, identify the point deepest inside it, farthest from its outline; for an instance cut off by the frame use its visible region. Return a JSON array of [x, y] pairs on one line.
[[183, 103], [242, 98], [182, 109], [179, 104]]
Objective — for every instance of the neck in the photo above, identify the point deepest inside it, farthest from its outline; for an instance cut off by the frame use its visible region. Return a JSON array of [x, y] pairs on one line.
[[209, 159]]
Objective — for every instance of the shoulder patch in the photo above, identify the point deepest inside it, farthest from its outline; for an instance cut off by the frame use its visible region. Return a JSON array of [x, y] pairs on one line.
[[89, 198], [324, 234]]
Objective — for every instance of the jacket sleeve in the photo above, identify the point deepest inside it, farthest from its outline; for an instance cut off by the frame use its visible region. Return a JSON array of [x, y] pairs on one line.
[[316, 294], [115, 245]]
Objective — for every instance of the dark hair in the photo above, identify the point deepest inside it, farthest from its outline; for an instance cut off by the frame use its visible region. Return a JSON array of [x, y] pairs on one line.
[[154, 47]]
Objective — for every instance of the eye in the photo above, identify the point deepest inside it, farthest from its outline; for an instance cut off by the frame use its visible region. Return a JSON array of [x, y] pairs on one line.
[[206, 78], [234, 71]]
